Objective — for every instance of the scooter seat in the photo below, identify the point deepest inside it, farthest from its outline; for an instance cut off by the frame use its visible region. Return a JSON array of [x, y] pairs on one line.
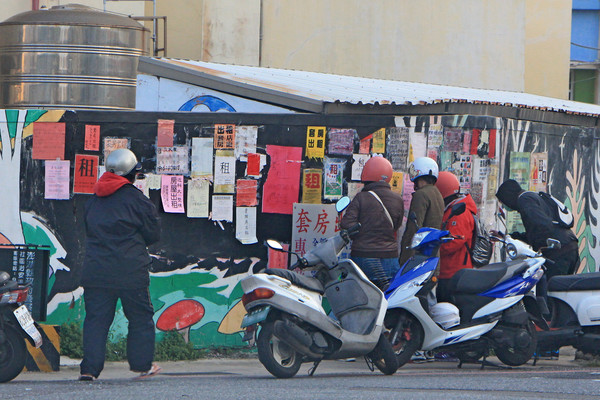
[[564, 283], [298, 279], [474, 281]]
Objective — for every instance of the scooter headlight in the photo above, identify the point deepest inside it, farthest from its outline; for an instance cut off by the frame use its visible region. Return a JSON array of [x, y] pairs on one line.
[[418, 238]]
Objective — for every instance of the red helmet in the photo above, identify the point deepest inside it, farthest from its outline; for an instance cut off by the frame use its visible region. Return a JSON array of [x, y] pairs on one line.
[[447, 184], [377, 169]]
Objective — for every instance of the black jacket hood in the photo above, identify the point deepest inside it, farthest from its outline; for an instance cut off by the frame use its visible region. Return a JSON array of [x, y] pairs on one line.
[[508, 193]]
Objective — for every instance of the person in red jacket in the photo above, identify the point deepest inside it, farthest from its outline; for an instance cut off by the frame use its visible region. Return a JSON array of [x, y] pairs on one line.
[[454, 254]]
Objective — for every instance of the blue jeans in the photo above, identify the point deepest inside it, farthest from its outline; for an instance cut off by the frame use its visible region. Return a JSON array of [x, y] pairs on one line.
[[379, 270], [100, 305]]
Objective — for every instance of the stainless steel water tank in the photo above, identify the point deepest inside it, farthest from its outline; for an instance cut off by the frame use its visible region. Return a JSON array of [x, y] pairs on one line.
[[70, 57]]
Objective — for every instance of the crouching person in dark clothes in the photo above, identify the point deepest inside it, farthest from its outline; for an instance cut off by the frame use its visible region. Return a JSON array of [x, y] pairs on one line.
[[120, 222], [537, 220]]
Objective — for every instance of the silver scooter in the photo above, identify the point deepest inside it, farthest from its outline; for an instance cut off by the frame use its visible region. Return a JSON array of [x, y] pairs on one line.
[[294, 327]]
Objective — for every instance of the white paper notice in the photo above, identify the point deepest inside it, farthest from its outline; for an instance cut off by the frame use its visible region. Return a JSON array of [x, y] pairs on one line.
[[245, 225], [57, 180], [153, 181], [245, 141], [224, 171], [358, 165], [197, 198], [173, 160], [142, 184], [354, 188], [222, 208], [418, 144], [202, 157]]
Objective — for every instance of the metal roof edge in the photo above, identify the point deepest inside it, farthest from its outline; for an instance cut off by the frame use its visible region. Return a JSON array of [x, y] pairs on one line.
[[153, 66]]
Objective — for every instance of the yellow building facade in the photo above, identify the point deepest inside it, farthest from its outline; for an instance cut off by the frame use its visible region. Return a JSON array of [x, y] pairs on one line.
[[517, 45]]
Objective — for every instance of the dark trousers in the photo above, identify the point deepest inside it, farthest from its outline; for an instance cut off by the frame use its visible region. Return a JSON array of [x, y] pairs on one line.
[[100, 305]]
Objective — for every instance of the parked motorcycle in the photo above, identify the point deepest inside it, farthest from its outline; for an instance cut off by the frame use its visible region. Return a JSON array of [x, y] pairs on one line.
[[16, 325], [294, 327], [487, 311], [574, 301]]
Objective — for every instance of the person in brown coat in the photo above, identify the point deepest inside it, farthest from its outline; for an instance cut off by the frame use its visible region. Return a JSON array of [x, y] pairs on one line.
[[427, 203], [379, 210]]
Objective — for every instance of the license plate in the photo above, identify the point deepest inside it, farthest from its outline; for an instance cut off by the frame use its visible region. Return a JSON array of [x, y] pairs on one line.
[[255, 316], [26, 322]]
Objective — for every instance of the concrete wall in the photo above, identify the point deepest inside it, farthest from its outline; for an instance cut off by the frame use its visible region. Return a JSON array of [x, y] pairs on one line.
[[200, 261]]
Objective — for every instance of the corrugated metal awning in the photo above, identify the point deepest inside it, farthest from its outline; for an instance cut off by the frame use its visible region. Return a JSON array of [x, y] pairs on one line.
[[310, 91]]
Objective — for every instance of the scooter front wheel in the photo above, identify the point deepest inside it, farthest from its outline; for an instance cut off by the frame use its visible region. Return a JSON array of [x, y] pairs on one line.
[[12, 353], [280, 359], [383, 356], [406, 337]]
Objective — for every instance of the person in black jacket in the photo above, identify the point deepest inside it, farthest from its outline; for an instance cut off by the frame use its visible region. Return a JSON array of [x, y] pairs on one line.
[[537, 220], [119, 222]]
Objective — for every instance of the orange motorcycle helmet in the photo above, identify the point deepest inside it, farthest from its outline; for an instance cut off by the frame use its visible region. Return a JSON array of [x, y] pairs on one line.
[[377, 169], [447, 183]]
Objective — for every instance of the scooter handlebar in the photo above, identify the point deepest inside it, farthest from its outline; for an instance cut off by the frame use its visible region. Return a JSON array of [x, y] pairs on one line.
[[353, 230]]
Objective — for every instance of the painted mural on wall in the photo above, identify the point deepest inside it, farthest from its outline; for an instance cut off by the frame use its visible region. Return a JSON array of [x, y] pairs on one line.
[[217, 183]]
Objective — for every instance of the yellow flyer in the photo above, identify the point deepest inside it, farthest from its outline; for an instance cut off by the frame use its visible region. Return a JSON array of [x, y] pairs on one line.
[[397, 182], [315, 142], [312, 186], [379, 141]]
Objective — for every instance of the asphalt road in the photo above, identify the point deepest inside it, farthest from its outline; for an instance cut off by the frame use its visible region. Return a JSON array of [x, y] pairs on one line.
[[221, 379]]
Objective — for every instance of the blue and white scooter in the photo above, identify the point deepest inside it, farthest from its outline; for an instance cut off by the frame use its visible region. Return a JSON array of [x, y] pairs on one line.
[[487, 310]]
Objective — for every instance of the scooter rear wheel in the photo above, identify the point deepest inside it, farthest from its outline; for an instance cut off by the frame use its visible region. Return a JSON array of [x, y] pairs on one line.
[[280, 359], [406, 337], [515, 356], [13, 353]]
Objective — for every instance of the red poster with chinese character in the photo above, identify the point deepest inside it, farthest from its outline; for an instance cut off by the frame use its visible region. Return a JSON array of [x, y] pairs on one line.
[[85, 173], [165, 133], [92, 138], [224, 136], [282, 187], [278, 259], [365, 145], [48, 140], [246, 193], [253, 168]]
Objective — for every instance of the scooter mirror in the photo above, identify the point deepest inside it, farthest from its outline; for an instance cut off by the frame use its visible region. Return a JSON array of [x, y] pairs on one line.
[[553, 243], [342, 204], [274, 244], [457, 209]]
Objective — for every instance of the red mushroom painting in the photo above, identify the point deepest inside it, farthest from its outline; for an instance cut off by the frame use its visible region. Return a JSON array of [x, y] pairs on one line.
[[180, 317]]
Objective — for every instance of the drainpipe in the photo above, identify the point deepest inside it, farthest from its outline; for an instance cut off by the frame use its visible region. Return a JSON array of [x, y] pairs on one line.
[[35, 5]]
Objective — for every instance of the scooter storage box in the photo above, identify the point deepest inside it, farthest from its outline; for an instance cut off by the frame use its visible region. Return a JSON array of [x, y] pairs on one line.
[[445, 314]]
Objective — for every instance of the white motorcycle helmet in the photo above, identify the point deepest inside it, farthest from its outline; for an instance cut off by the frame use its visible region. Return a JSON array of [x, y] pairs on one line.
[[122, 162], [445, 314], [423, 166]]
